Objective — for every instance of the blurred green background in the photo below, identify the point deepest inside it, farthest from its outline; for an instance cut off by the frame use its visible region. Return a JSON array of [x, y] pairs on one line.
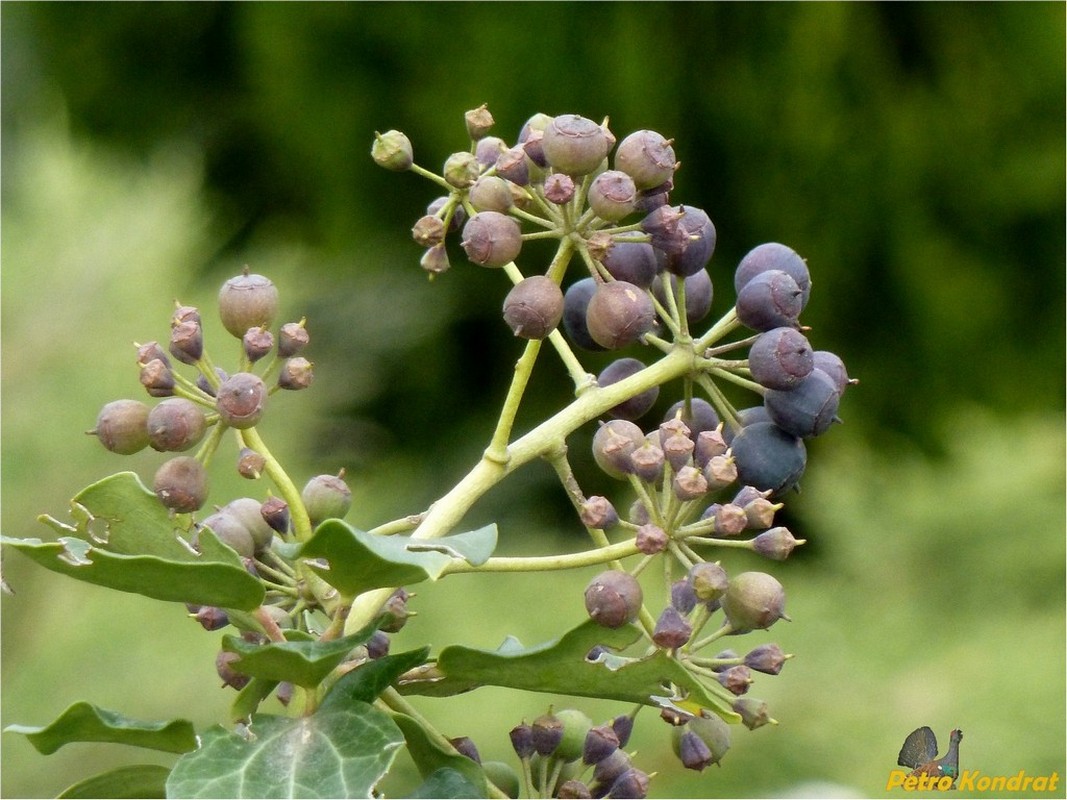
[[913, 153]]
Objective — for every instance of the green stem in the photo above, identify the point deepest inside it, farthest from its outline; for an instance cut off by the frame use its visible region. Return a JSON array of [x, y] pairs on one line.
[[727, 323], [425, 173], [515, 211], [711, 637], [734, 378], [498, 447], [251, 439], [211, 444], [401, 525], [585, 558]]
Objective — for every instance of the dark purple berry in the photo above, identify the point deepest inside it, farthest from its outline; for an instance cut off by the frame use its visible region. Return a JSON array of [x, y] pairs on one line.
[[575, 307], [692, 750], [121, 426], [534, 307], [571, 789], [698, 293], [491, 239], [230, 677], [378, 645], [833, 366], [275, 512], [241, 400], [714, 732], [646, 157], [619, 314], [638, 405], [776, 543], [247, 301], [459, 215], [689, 482], [465, 747], [774, 256], [683, 596], [211, 618], [664, 226], [613, 598], [181, 484], [632, 784], [435, 260], [175, 425], [623, 725], [600, 742], [767, 658], [672, 629], [149, 351], [326, 497], [768, 458], [547, 732], [700, 233], [780, 358], [753, 601], [808, 409], [395, 611], [611, 767], [770, 300], [392, 150], [631, 261], [514, 165], [203, 385], [575, 145], [647, 462], [612, 195], [488, 150], [736, 680], [522, 740]]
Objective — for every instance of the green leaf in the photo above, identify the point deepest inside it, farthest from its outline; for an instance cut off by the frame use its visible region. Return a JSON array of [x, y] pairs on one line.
[[249, 697], [83, 722], [136, 781], [341, 752], [305, 663], [561, 667], [124, 539], [359, 561], [369, 680], [431, 757], [446, 782]]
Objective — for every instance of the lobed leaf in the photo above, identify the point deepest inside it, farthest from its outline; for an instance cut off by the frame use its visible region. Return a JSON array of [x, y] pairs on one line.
[[357, 561], [123, 538], [337, 752], [561, 667], [369, 680], [83, 722]]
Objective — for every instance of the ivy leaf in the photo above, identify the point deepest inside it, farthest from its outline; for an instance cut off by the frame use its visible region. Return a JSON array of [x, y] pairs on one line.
[[305, 663], [340, 752], [124, 539], [369, 680], [357, 561], [561, 667], [83, 722], [431, 758], [446, 782], [133, 782]]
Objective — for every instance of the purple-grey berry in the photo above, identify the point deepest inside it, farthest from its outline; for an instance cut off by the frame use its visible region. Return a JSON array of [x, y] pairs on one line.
[[250, 464], [672, 629], [619, 313], [780, 358], [613, 444], [678, 450], [736, 679], [693, 752], [522, 740], [534, 307], [776, 543], [175, 425], [770, 300], [224, 667], [241, 400], [187, 341], [698, 416], [435, 260], [428, 231], [612, 195], [275, 512], [181, 484], [767, 658], [774, 256], [623, 725], [689, 482], [547, 731], [247, 301], [600, 742], [559, 188], [296, 373], [576, 145], [491, 239], [632, 784], [630, 261], [465, 747], [647, 157], [598, 512], [121, 426], [753, 601], [683, 597], [700, 232], [709, 581], [211, 618], [651, 539], [636, 406], [647, 462], [258, 342], [249, 511], [231, 531], [490, 193], [157, 378], [613, 598], [292, 338], [709, 444], [151, 350]]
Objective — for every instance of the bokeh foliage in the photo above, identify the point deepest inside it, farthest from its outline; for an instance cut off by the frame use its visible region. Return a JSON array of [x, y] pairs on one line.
[[914, 153]]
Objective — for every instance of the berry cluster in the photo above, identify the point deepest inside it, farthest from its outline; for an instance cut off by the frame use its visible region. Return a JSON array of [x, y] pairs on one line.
[[713, 470], [199, 411]]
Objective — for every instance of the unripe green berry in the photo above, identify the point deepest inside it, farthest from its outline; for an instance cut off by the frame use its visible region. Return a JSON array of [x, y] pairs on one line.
[[392, 150], [241, 400], [175, 425], [247, 301], [613, 598], [326, 497], [121, 426], [754, 600], [461, 169], [709, 581], [575, 727], [181, 484], [504, 777], [754, 713]]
